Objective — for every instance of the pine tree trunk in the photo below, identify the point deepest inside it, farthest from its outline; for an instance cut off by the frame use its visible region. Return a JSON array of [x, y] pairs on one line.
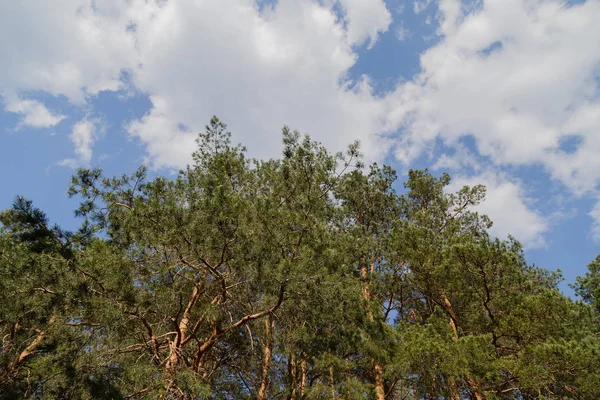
[[269, 325], [377, 368], [292, 376], [348, 374], [177, 343], [303, 373], [379, 388], [474, 387], [454, 389], [332, 383]]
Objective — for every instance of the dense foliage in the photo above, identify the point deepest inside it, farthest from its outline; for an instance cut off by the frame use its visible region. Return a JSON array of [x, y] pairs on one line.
[[304, 277]]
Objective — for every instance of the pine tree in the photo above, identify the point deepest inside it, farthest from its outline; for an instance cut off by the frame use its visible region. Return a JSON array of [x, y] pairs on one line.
[[302, 277]]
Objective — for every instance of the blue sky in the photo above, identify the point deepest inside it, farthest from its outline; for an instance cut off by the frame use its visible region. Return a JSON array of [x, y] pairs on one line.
[[499, 92]]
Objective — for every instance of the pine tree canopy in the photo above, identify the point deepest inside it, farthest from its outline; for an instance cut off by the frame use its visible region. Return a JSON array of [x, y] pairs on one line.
[[309, 276]]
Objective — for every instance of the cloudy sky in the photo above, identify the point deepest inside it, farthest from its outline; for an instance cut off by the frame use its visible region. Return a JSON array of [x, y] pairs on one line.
[[500, 92]]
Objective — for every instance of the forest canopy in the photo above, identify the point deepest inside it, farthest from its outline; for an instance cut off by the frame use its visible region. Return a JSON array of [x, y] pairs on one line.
[[303, 277]]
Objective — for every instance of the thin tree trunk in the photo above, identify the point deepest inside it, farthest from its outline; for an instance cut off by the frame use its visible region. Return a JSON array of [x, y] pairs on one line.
[[292, 370], [303, 373], [269, 325], [33, 346], [332, 383], [379, 388], [454, 389], [347, 372], [219, 331], [377, 368], [182, 328], [203, 349], [366, 290], [474, 387]]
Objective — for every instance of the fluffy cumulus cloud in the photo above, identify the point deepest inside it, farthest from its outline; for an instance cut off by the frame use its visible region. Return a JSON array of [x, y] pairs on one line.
[[518, 76], [509, 206], [73, 48], [366, 20], [83, 135], [34, 114], [257, 71], [168, 143]]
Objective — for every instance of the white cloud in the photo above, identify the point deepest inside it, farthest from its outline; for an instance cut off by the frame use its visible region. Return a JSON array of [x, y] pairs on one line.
[[420, 5], [73, 48], [366, 20], [34, 114], [402, 33], [167, 144], [287, 65], [462, 157], [595, 214], [509, 207], [258, 70], [83, 135], [69, 163], [520, 77], [518, 100]]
